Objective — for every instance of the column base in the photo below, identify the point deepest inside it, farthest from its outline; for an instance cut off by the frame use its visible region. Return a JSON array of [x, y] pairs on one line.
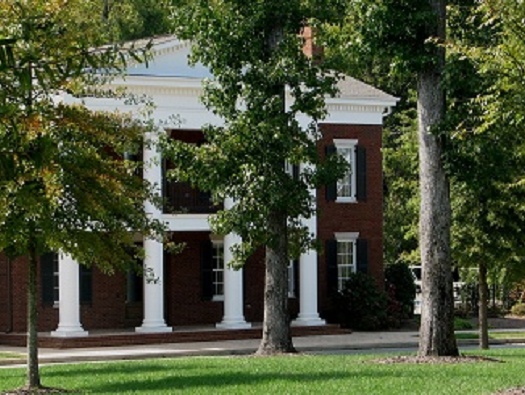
[[233, 324], [311, 320], [69, 332], [153, 328]]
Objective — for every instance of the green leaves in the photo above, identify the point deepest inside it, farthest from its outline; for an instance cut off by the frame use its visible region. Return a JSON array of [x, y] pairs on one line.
[[63, 182], [263, 83]]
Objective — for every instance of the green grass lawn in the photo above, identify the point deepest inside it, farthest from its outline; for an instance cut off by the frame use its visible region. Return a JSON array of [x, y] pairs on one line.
[[302, 374], [492, 335]]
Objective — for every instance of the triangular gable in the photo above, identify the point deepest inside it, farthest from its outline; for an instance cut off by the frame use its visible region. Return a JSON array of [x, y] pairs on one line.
[[169, 59]]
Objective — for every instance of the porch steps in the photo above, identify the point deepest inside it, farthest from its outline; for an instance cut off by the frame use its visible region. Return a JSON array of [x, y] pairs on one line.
[[123, 337]]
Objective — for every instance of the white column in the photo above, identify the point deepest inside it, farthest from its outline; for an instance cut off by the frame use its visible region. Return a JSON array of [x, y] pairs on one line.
[[233, 282], [69, 299], [153, 261], [308, 306]]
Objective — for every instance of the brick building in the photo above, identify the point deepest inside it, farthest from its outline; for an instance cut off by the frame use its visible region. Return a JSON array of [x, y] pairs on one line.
[[195, 287]]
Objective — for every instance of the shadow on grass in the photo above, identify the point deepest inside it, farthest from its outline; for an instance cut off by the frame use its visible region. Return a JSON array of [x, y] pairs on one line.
[[207, 382], [116, 368]]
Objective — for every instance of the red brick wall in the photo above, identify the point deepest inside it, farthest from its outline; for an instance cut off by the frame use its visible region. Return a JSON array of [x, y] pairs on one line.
[[184, 302], [107, 309], [363, 217], [4, 287]]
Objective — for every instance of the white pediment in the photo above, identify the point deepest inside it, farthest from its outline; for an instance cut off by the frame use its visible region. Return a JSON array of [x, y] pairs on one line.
[[169, 59]]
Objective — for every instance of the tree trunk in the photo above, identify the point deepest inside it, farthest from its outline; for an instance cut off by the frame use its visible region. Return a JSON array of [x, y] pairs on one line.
[[276, 336], [437, 309], [483, 307], [33, 374]]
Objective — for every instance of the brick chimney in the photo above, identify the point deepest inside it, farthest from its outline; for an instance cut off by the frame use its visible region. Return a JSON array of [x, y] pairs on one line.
[[310, 49]]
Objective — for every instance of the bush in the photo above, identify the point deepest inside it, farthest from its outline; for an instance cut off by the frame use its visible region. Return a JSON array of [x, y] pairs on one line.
[[518, 309], [399, 278], [361, 305], [462, 324]]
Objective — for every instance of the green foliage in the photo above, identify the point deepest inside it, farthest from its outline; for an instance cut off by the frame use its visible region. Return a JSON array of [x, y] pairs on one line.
[[400, 279], [361, 305], [254, 50], [485, 154], [134, 19], [518, 309], [462, 324], [63, 182]]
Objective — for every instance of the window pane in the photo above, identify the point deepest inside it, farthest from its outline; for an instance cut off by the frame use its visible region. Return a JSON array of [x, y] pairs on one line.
[[345, 261], [218, 269]]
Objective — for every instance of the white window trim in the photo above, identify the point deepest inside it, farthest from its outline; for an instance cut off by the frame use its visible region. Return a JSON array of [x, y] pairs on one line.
[[351, 237], [218, 242], [56, 276], [351, 144]]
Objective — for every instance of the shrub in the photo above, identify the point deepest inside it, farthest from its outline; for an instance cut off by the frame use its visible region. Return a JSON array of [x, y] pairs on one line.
[[518, 309], [399, 278], [361, 305], [462, 324]]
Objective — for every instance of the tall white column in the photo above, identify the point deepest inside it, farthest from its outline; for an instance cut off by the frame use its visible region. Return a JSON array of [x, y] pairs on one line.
[[308, 305], [153, 261], [69, 299], [233, 282]]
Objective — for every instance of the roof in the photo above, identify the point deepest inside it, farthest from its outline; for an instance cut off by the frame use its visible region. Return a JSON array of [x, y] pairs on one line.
[[351, 88]]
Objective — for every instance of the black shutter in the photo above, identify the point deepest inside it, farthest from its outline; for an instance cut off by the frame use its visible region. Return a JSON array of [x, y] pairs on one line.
[[296, 279], [295, 172], [361, 173], [331, 265], [331, 189], [48, 277], [362, 255], [207, 270], [86, 284]]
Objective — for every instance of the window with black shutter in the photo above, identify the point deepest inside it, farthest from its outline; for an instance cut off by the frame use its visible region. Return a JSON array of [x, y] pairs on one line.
[[362, 255], [49, 278], [86, 284], [352, 186], [331, 189], [331, 265], [361, 173], [207, 288]]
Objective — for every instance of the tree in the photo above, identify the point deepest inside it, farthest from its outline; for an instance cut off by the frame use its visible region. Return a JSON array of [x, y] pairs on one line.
[[411, 35], [63, 183], [254, 51], [135, 19], [488, 148]]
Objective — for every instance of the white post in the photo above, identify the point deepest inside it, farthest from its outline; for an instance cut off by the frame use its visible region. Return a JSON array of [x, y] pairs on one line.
[[69, 299], [233, 282], [153, 261], [308, 308]]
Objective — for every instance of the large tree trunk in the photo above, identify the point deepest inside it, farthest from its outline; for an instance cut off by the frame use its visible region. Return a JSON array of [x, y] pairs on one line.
[[33, 374], [437, 310], [483, 307], [276, 335]]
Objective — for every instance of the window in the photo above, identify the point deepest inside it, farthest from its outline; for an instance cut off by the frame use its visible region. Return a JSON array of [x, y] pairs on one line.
[[49, 269], [346, 186], [49, 273], [345, 262], [345, 254], [346, 257], [352, 186], [218, 269]]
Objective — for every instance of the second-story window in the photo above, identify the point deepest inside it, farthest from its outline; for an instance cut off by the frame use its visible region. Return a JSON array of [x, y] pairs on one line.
[[351, 187], [346, 186]]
